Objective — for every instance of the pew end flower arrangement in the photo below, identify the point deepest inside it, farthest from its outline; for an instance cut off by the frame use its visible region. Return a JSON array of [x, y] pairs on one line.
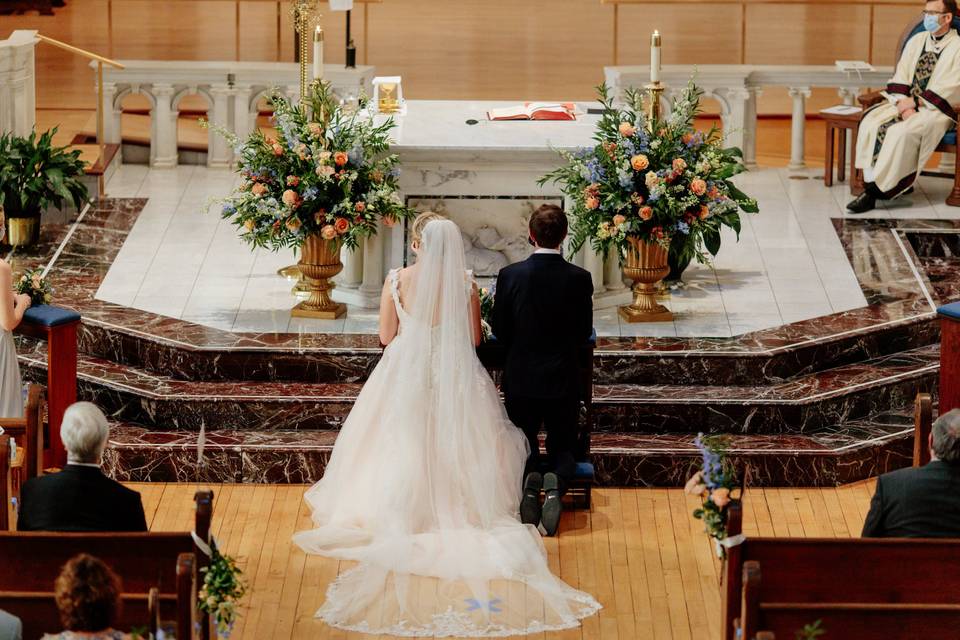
[[325, 181], [487, 295], [222, 589], [33, 284], [717, 485], [650, 189]]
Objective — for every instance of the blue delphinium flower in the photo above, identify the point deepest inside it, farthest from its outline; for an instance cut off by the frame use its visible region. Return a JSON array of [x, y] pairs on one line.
[[712, 464], [355, 155], [229, 209], [596, 170], [310, 193], [683, 227]]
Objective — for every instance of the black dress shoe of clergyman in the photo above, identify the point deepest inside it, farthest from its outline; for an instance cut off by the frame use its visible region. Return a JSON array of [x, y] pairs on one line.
[[862, 203], [552, 506], [530, 504]]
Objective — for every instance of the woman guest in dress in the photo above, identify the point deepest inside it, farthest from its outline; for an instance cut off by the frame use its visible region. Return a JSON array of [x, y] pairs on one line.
[[12, 307], [88, 597]]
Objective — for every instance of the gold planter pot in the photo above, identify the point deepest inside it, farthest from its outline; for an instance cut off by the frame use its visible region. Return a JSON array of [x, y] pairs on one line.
[[319, 261], [646, 264], [23, 232]]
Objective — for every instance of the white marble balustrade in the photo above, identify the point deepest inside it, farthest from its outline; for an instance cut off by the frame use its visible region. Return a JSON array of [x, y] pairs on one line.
[[231, 90], [736, 87], [18, 83]]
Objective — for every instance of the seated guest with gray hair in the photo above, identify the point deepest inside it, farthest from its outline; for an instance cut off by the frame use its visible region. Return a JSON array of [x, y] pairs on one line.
[[81, 497], [922, 502]]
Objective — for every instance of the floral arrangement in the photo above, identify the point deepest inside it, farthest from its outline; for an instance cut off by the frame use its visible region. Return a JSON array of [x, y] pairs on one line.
[[486, 310], [327, 172], [660, 181], [716, 483], [35, 285], [222, 589]]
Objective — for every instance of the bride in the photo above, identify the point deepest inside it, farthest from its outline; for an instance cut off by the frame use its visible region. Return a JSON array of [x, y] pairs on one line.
[[423, 486]]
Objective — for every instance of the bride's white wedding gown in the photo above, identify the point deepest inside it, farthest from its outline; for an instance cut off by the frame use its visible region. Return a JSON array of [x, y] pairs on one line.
[[423, 486]]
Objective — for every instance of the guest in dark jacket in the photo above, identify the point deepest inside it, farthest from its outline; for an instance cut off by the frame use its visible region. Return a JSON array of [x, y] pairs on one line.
[[81, 497], [543, 315], [922, 502]]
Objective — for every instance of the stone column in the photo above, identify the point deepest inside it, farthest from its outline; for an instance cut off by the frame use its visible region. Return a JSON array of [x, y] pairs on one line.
[[243, 119], [219, 153], [798, 127], [740, 122], [18, 109], [113, 115], [372, 268], [593, 262], [613, 279], [352, 275], [163, 141]]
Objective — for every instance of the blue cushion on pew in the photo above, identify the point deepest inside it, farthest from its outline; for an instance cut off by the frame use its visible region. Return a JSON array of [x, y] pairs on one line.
[[584, 471], [47, 315], [951, 310], [950, 137]]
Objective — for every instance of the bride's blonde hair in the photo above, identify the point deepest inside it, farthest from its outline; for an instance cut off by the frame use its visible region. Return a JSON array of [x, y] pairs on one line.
[[416, 229]]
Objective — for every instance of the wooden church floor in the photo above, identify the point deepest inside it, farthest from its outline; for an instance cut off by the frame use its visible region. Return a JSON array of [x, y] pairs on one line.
[[639, 552]]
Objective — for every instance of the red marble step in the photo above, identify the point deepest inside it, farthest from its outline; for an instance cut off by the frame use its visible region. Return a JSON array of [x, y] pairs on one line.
[[857, 451], [805, 404]]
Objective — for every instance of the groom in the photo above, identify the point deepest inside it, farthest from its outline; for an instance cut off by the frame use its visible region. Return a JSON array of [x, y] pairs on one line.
[[543, 314]]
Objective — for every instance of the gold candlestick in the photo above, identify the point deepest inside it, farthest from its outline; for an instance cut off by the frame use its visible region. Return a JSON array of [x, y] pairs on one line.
[[654, 97], [304, 13]]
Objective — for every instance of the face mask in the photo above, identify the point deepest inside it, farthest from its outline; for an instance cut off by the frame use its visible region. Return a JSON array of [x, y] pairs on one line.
[[931, 23]]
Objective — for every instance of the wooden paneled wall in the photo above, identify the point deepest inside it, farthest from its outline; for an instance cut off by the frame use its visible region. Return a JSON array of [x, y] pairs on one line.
[[458, 49]]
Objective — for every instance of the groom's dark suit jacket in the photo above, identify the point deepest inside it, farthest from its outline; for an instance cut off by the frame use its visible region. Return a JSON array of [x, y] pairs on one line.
[[921, 502], [543, 313]]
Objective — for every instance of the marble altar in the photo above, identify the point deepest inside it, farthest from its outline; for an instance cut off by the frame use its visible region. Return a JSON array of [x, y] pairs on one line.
[[484, 176]]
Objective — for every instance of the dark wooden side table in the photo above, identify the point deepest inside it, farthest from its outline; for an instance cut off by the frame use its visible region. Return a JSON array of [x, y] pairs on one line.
[[840, 124]]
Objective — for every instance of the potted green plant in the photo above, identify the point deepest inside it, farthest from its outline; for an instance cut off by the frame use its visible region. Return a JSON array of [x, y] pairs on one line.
[[34, 175]]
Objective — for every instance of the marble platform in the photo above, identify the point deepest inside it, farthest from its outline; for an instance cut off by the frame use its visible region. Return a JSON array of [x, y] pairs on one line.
[[817, 398]]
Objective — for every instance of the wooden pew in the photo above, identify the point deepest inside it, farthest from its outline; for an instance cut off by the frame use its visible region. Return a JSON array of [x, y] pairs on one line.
[[27, 433], [922, 425], [863, 588], [167, 561]]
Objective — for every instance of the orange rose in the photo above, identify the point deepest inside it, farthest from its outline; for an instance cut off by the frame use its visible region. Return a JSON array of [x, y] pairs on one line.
[[679, 164], [315, 129], [340, 158], [627, 129], [592, 202], [698, 186], [328, 232], [341, 225], [290, 198], [277, 149], [293, 181], [258, 189], [720, 497], [646, 213], [639, 162], [360, 207], [714, 193], [704, 212], [619, 219]]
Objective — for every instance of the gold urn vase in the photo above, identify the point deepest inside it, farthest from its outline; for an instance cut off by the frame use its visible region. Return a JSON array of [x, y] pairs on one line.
[[645, 264], [319, 261]]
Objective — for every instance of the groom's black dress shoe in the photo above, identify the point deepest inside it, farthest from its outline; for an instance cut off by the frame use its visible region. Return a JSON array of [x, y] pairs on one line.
[[552, 505], [530, 504], [862, 203]]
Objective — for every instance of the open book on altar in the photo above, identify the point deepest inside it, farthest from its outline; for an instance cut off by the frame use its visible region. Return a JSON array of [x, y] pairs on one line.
[[535, 111]]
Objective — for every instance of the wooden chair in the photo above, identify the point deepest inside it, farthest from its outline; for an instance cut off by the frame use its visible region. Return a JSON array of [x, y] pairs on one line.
[[947, 145], [169, 562], [862, 588], [922, 425], [27, 434]]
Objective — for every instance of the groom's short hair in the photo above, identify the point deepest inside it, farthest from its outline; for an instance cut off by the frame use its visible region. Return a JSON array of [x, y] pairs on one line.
[[548, 226]]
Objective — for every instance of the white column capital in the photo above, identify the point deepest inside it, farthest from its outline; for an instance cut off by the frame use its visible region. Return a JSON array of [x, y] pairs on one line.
[[799, 92]]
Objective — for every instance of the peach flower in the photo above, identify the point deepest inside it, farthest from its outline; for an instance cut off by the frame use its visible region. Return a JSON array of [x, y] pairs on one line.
[[250, 225], [389, 221], [328, 232], [639, 162], [695, 485], [698, 186], [627, 129], [315, 129], [325, 171], [646, 213], [341, 225], [592, 202], [258, 189], [714, 193], [704, 212], [679, 164], [720, 497], [293, 181], [340, 158], [619, 219], [323, 156], [277, 149], [290, 198], [294, 224], [651, 179], [360, 207]]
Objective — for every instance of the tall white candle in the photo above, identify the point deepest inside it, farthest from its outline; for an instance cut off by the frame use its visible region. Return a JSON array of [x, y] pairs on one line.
[[655, 57], [318, 54]]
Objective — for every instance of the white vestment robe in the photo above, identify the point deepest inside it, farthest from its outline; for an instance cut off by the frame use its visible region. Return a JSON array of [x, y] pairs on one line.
[[908, 144]]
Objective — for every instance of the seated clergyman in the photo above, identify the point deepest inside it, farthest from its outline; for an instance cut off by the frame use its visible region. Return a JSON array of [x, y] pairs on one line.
[[898, 136], [922, 502]]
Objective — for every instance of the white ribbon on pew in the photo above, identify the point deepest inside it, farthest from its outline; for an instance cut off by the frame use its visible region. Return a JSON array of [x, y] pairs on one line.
[[203, 546], [733, 541]]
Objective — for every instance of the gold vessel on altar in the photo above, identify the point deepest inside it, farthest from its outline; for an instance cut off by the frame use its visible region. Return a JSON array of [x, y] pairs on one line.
[[646, 264], [319, 261]]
